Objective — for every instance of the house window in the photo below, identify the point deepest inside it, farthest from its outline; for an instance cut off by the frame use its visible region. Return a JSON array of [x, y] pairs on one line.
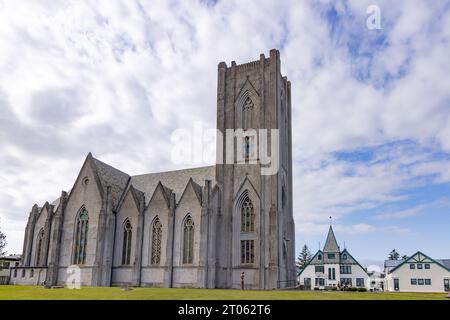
[[126, 245], [247, 216], [359, 282], [23, 273], [319, 269], [412, 266], [15, 273], [319, 257], [414, 282], [331, 256], [156, 241], [428, 282], [247, 251], [188, 240], [31, 273], [331, 274], [346, 282], [419, 266], [420, 282], [427, 266], [307, 282], [344, 257], [346, 269], [82, 227], [40, 243], [320, 282]]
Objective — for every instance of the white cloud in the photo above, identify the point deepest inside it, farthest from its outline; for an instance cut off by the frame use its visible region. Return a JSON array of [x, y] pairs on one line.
[[116, 78]]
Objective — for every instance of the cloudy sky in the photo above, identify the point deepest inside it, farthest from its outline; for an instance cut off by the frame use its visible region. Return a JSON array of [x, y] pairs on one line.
[[371, 108]]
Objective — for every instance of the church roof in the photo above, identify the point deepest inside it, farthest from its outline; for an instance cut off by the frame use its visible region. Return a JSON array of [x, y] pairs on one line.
[[331, 243], [175, 180], [110, 176]]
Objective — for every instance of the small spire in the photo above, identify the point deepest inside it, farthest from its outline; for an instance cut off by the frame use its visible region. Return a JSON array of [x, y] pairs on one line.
[[330, 221]]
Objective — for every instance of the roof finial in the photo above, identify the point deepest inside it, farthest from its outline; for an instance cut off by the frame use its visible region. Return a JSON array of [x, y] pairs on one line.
[[330, 221]]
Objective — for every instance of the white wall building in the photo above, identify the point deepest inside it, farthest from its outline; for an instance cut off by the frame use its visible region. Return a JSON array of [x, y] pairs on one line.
[[330, 267], [418, 273]]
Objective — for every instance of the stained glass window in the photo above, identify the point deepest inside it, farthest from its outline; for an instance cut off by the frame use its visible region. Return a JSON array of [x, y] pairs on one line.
[[126, 250], [247, 216], [81, 234], [40, 242], [188, 240], [156, 241], [247, 251]]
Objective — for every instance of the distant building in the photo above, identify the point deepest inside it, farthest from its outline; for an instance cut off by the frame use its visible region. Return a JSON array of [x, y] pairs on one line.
[[7, 262], [332, 267], [418, 273]]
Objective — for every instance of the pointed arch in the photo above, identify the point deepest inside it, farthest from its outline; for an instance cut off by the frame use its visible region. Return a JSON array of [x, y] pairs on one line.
[[127, 231], [246, 104], [156, 241], [81, 235], [247, 212], [188, 239]]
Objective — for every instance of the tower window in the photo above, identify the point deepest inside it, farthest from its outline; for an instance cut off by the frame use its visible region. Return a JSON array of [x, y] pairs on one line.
[[247, 251], [247, 216], [247, 113]]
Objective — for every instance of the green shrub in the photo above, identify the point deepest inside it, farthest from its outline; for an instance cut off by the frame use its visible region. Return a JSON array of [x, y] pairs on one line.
[[362, 289]]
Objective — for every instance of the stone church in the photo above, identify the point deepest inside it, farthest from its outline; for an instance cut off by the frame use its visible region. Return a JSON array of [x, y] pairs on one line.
[[196, 227]]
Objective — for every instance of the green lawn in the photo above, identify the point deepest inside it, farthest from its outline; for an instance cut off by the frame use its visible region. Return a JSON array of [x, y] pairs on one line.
[[107, 293]]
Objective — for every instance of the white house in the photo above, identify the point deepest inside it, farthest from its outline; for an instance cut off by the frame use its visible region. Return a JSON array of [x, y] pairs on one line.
[[7, 262], [330, 267], [418, 273]]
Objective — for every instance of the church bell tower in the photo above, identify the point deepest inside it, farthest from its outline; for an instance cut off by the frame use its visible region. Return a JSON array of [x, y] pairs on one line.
[[254, 173]]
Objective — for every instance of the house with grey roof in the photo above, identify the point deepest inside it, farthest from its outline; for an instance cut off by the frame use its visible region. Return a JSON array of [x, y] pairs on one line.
[[418, 273], [200, 227], [333, 267]]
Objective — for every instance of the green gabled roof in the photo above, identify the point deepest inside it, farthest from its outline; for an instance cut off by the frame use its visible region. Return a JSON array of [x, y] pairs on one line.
[[415, 254]]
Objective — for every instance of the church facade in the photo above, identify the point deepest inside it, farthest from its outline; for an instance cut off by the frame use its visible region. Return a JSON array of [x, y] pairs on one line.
[[196, 227]]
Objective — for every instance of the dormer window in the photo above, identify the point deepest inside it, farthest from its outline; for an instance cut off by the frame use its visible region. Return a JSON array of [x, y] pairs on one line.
[[344, 257], [331, 256], [319, 257]]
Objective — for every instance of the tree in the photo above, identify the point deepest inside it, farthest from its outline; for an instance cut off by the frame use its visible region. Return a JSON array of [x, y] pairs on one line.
[[393, 255], [303, 257], [2, 243]]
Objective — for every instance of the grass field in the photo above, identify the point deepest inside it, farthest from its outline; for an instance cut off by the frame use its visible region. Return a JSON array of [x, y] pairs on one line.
[[107, 293]]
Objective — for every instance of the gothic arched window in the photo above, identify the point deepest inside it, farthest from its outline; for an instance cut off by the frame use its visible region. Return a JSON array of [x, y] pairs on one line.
[[126, 249], [156, 241], [81, 234], [188, 240], [247, 109], [247, 216], [40, 243]]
